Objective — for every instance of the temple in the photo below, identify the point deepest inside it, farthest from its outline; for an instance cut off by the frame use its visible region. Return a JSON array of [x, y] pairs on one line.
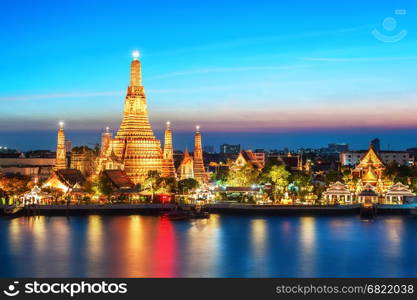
[[370, 169], [135, 148], [199, 170], [186, 168], [168, 168], [61, 154]]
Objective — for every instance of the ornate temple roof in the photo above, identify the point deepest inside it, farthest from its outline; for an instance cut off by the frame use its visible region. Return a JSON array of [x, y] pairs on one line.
[[119, 179], [371, 158], [368, 191], [247, 157], [70, 177], [337, 188], [400, 189]]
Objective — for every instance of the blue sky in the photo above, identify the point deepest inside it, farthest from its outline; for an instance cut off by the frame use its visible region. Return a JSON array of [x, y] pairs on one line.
[[240, 66]]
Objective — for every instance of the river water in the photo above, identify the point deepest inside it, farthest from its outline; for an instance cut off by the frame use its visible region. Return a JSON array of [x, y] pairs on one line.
[[222, 246]]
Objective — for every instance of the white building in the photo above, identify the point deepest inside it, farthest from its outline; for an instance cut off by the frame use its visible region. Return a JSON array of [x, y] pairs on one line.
[[352, 158]]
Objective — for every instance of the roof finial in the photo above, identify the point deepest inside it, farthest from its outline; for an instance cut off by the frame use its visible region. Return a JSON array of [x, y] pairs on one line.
[[61, 124], [168, 124], [197, 128]]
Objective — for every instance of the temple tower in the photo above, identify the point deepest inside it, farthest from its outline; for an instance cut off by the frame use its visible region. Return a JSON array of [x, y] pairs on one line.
[[106, 137], [199, 170], [168, 169], [186, 168], [61, 154], [135, 145]]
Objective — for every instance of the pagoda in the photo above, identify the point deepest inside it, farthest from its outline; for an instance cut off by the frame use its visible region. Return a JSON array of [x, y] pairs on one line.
[[135, 147], [61, 153], [198, 165], [168, 169], [186, 168]]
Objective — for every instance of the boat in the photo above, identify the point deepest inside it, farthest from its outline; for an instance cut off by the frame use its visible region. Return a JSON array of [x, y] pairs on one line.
[[181, 214], [13, 211], [200, 215]]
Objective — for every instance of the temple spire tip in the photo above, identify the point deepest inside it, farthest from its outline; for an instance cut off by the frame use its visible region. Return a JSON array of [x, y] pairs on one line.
[[135, 54]]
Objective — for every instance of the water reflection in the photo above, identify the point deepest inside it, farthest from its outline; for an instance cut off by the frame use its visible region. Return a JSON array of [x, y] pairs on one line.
[[165, 250], [147, 246], [307, 245]]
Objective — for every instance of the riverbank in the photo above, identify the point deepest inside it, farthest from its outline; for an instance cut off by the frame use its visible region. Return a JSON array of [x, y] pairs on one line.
[[220, 208]]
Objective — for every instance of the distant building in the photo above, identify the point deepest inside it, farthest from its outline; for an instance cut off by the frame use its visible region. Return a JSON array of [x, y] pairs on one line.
[[209, 149], [338, 147], [229, 149], [376, 144], [39, 168], [292, 161], [68, 146], [403, 158], [247, 157], [84, 159]]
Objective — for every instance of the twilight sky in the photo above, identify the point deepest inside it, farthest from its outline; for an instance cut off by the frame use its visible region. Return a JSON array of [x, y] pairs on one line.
[[311, 68]]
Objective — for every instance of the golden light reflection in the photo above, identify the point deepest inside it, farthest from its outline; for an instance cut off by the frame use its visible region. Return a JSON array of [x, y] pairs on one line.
[[259, 229], [15, 235], [395, 230], [95, 237], [40, 234], [204, 240], [307, 245], [258, 236], [59, 232]]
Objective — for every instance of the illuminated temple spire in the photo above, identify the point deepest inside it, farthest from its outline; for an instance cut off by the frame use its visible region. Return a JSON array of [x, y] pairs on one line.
[[135, 145], [199, 170], [168, 169], [61, 155], [186, 168]]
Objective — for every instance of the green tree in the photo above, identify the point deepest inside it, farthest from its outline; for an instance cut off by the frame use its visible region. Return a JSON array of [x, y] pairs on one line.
[[104, 186], [187, 185], [278, 175], [55, 193], [166, 185], [244, 176], [152, 183], [303, 183], [333, 176]]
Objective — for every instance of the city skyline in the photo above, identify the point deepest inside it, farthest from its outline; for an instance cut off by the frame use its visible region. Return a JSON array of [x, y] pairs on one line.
[[270, 74]]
